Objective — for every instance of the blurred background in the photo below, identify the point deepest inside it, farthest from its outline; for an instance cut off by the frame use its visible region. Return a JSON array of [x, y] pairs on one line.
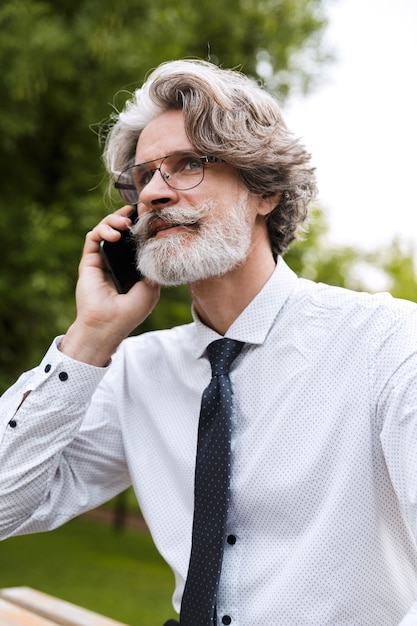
[[360, 122], [344, 73]]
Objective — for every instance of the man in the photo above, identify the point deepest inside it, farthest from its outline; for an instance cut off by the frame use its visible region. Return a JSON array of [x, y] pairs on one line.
[[322, 499]]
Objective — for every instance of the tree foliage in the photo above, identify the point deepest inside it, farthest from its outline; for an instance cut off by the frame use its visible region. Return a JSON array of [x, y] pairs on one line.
[[65, 67]]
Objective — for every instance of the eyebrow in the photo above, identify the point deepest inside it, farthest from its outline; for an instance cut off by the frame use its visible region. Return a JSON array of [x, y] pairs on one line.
[[179, 151]]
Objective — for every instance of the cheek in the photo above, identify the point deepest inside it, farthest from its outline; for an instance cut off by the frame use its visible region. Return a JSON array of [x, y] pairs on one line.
[[225, 186]]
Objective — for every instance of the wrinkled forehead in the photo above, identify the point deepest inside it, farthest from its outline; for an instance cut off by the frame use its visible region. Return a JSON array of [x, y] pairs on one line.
[[164, 135]]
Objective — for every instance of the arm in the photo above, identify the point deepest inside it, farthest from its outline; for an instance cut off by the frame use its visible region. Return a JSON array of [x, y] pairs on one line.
[[398, 406], [61, 450], [396, 402], [44, 477]]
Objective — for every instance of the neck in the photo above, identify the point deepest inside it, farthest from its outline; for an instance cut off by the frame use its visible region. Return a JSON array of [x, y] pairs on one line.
[[218, 301]]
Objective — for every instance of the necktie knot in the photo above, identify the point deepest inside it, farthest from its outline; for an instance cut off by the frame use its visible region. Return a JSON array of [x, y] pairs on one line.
[[222, 353]]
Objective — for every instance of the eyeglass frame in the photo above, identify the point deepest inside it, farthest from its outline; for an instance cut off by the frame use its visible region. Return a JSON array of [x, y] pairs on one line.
[[206, 159]]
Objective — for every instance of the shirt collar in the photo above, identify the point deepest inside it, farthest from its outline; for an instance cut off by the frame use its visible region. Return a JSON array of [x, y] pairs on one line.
[[255, 321]]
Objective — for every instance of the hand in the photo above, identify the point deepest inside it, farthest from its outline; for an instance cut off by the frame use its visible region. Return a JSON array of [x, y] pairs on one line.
[[105, 317]]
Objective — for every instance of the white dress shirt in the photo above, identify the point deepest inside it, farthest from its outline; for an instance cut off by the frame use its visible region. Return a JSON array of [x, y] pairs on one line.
[[322, 522]]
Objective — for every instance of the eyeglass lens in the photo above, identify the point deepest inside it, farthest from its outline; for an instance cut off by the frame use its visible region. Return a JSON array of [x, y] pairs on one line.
[[179, 171]]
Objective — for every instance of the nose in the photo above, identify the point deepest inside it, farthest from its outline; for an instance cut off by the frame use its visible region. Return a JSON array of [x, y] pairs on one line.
[[157, 193]]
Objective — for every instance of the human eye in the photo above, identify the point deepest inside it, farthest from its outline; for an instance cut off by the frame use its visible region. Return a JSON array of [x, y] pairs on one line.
[[190, 163]]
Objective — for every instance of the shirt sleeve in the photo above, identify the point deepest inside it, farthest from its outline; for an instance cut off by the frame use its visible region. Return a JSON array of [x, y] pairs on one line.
[[396, 368], [61, 451]]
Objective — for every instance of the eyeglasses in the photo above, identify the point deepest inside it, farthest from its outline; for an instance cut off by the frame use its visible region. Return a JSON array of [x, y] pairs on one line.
[[182, 170]]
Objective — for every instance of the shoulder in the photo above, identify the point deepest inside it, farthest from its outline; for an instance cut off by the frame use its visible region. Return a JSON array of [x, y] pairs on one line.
[[341, 300], [375, 320]]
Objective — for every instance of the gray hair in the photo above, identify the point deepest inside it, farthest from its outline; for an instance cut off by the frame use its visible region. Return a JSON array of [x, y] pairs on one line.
[[230, 116]]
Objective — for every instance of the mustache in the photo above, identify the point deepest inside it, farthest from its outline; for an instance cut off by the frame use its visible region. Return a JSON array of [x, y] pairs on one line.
[[146, 225]]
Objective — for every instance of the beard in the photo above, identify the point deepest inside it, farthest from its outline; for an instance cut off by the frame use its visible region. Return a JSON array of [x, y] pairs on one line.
[[211, 247]]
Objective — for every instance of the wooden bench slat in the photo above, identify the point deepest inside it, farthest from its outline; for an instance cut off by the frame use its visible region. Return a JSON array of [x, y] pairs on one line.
[[50, 608], [13, 615]]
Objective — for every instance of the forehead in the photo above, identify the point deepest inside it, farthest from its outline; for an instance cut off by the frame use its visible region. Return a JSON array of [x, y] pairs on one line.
[[163, 135]]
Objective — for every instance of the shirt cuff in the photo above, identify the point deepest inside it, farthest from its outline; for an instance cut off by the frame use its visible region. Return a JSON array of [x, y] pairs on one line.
[[63, 369]]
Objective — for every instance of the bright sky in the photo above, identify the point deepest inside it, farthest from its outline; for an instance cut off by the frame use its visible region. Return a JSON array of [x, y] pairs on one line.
[[361, 124]]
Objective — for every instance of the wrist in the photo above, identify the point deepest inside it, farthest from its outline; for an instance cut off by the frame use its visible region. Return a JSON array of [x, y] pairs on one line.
[[90, 348]]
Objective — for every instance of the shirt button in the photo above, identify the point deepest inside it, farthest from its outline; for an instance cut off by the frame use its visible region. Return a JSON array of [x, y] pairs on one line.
[[47, 368], [63, 376], [226, 619], [12, 423], [231, 539]]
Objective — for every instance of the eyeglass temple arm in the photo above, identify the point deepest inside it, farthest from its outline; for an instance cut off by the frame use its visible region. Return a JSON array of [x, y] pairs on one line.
[[118, 185]]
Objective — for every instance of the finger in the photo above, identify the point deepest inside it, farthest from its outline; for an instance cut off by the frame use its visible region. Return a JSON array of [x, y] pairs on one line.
[[125, 210], [139, 301], [110, 227]]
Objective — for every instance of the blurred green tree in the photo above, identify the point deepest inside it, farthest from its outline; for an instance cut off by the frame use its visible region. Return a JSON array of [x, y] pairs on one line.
[[391, 268], [398, 261], [62, 62]]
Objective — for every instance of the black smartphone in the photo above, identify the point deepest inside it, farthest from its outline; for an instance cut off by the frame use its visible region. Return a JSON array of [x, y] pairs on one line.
[[120, 258]]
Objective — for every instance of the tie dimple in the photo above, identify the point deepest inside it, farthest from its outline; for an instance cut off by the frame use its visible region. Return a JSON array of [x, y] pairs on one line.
[[211, 489]]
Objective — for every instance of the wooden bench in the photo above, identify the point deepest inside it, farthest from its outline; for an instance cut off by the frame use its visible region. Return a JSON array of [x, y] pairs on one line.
[[23, 606]]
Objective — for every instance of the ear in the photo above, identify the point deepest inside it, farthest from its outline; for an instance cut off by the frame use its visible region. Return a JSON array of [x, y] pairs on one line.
[[267, 203]]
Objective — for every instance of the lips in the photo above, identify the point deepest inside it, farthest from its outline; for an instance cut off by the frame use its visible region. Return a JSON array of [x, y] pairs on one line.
[[160, 225]]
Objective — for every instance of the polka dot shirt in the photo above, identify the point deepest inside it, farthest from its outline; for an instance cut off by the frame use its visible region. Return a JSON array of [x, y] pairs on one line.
[[322, 516]]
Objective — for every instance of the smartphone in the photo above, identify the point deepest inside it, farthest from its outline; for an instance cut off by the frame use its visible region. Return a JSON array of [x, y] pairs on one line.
[[120, 258]]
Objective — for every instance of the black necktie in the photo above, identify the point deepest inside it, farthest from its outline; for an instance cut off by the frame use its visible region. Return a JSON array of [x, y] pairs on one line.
[[211, 489]]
